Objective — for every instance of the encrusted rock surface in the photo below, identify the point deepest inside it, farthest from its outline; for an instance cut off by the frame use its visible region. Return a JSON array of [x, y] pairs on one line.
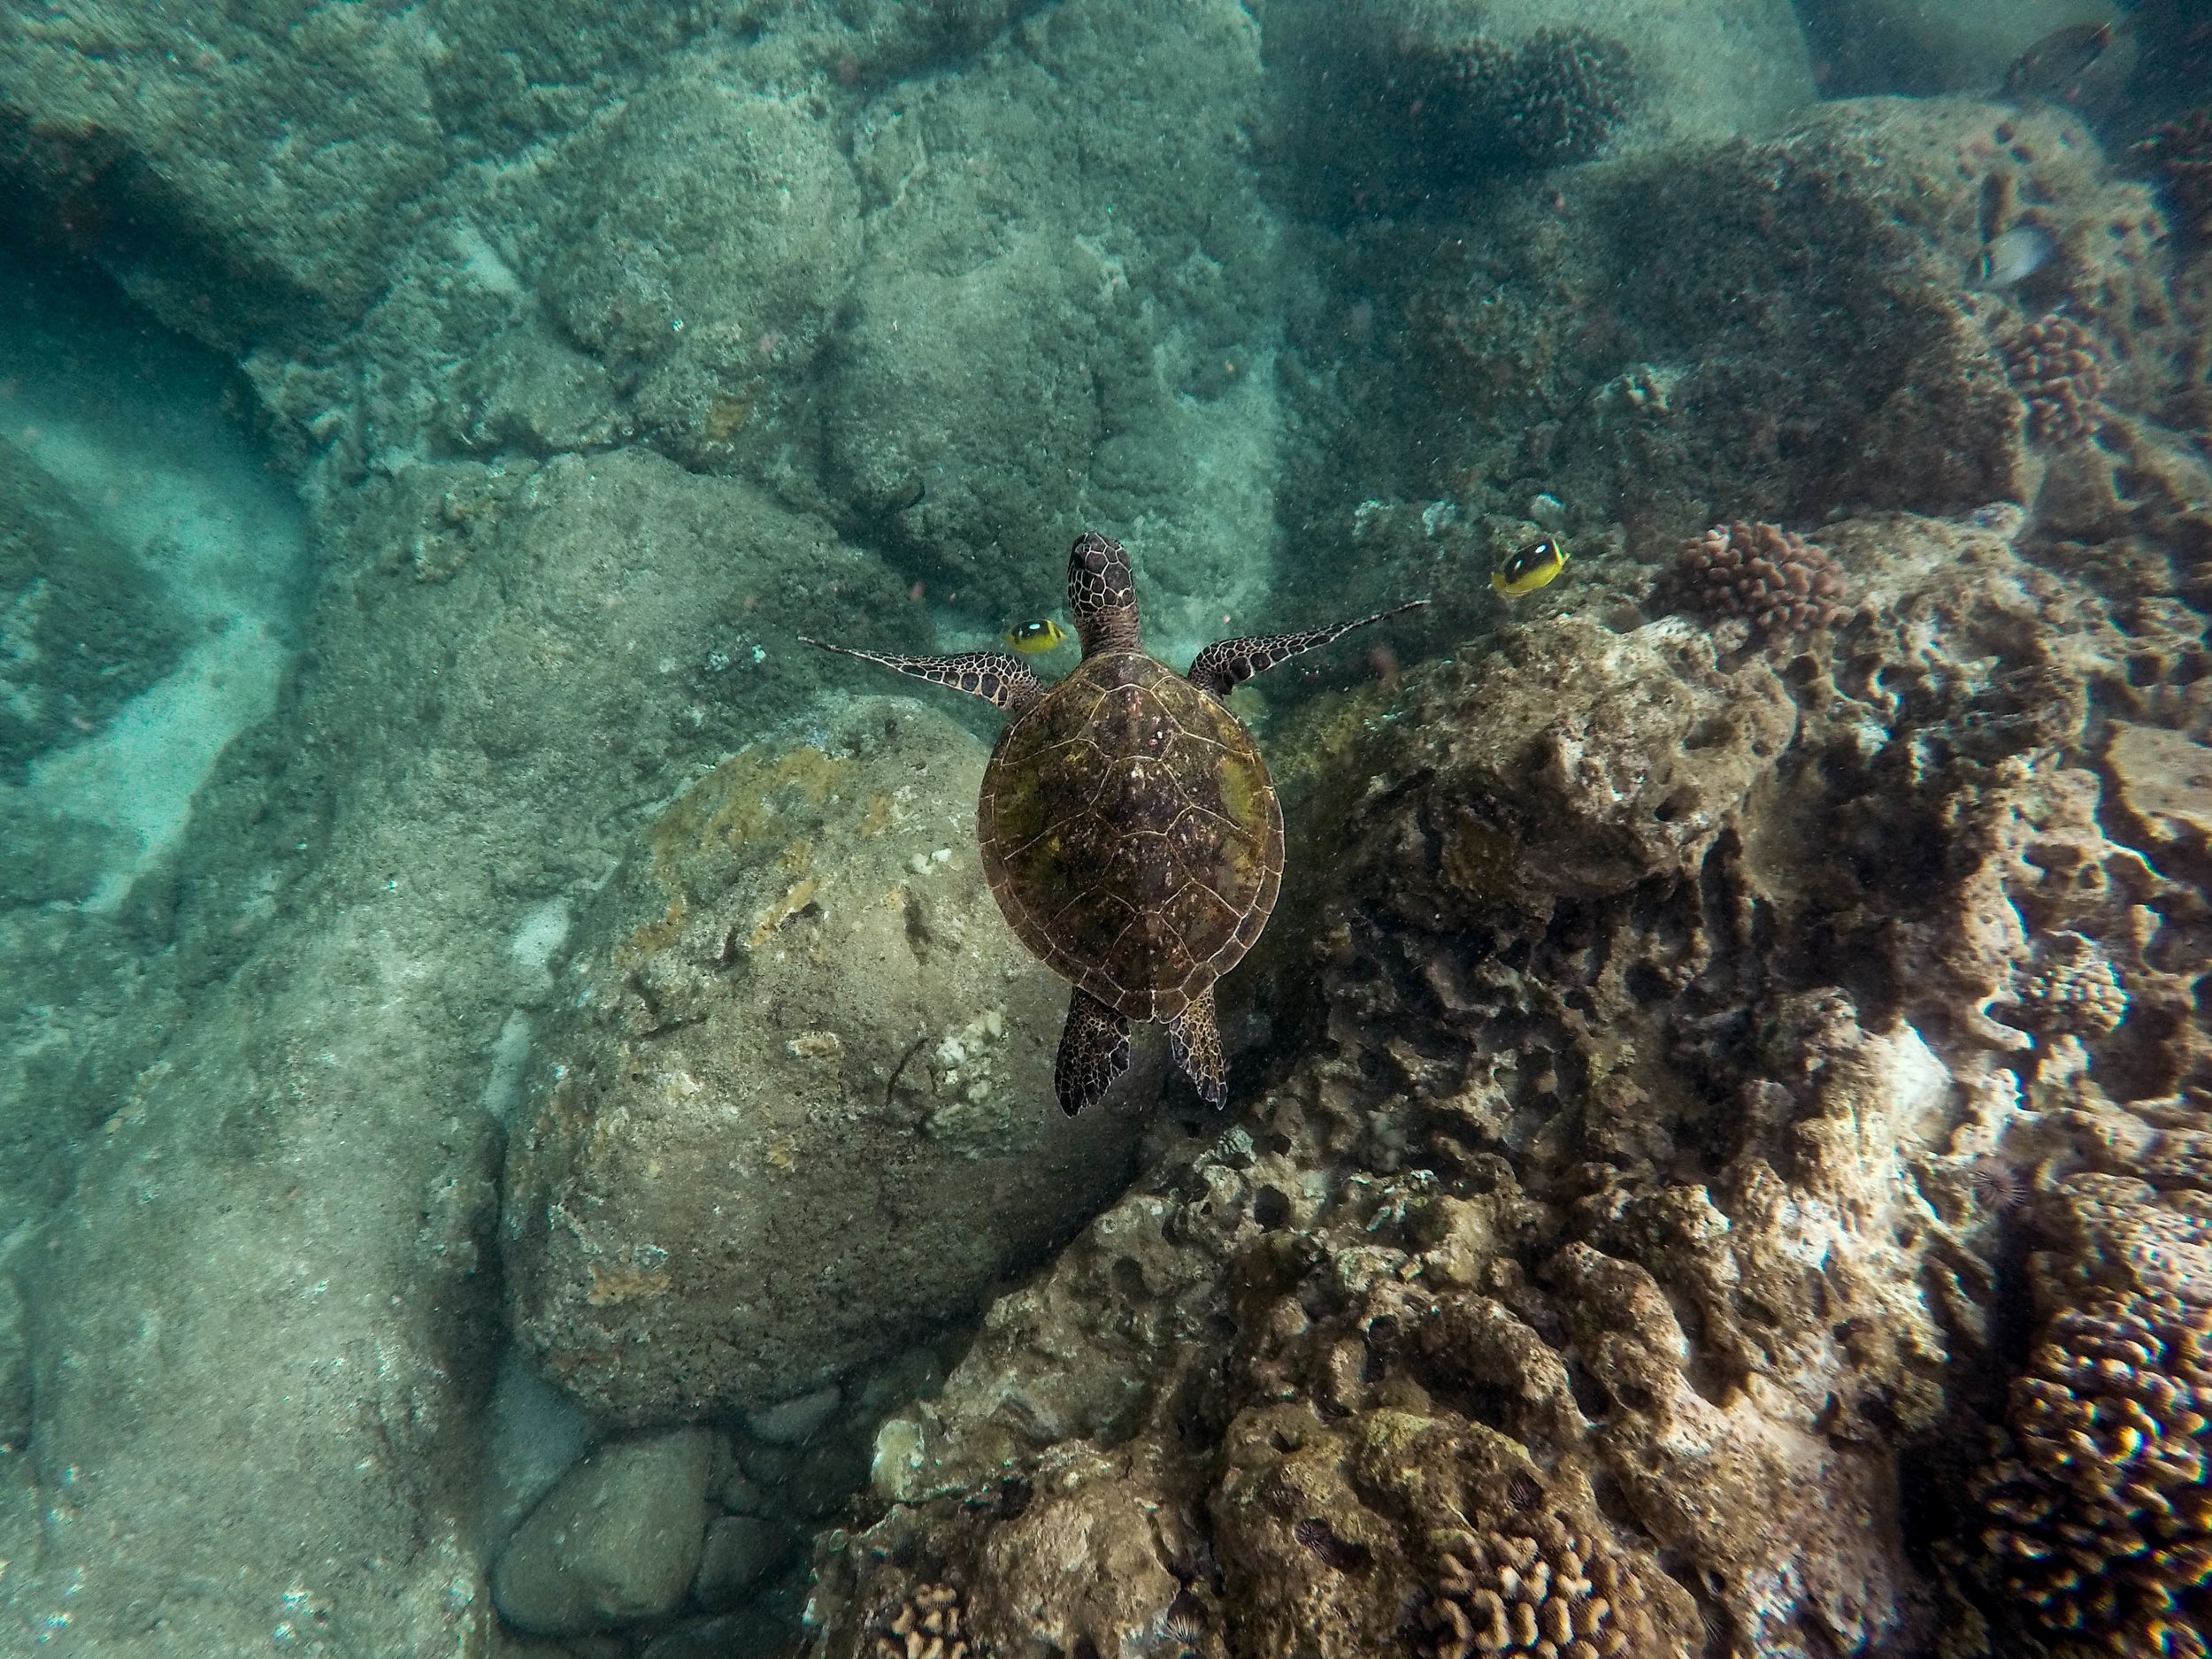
[[800, 1112], [1628, 1203]]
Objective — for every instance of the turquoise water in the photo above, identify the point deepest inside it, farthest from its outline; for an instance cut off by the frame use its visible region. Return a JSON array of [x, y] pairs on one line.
[[1488, 935]]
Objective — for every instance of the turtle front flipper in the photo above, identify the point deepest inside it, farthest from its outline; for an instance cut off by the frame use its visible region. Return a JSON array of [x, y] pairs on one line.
[[1226, 664], [1094, 1051], [993, 676], [1195, 1041]]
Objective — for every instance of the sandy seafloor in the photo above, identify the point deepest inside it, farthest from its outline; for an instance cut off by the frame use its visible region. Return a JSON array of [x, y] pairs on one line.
[[522, 1129]]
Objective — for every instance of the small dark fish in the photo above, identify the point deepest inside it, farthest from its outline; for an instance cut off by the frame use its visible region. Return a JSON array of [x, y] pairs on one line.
[[2049, 68], [1342, 1553]]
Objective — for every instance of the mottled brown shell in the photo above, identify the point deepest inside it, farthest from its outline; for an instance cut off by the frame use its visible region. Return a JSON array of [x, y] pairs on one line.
[[1132, 834]]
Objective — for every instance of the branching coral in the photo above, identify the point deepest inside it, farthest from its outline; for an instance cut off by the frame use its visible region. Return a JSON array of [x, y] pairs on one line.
[[928, 1624], [2072, 987], [1540, 1587], [2100, 1517], [1782, 582], [1467, 106], [1565, 93], [2054, 365]]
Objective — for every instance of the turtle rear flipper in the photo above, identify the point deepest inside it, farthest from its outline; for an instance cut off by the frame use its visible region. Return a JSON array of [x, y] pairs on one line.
[[1094, 1051], [1227, 663], [1195, 1041]]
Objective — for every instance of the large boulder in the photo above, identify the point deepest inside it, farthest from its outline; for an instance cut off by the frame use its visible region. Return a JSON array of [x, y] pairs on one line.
[[799, 1110], [83, 625], [698, 242]]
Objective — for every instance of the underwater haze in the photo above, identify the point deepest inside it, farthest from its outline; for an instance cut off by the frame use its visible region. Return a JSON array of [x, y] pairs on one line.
[[1106, 829]]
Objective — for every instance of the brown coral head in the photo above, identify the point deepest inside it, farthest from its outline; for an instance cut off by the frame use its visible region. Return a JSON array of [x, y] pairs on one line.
[[2054, 365], [1783, 583], [2099, 1524], [2183, 151], [929, 1624], [1539, 1587]]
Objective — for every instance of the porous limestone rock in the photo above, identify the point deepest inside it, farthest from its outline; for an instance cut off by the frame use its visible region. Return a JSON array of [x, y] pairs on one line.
[[799, 1110], [250, 172], [1063, 318]]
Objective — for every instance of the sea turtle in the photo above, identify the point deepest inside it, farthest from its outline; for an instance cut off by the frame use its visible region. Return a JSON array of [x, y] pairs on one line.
[[1129, 827]]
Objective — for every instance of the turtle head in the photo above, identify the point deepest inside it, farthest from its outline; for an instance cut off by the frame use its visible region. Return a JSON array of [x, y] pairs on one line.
[[1102, 595]]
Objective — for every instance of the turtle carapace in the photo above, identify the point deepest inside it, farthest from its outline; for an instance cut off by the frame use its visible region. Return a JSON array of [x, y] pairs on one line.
[[1129, 827]]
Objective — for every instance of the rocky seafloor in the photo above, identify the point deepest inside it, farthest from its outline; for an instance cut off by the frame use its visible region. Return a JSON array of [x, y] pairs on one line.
[[556, 1156]]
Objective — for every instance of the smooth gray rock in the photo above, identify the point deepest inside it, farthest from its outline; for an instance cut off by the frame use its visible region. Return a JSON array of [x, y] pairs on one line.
[[792, 1422], [618, 1541], [741, 1550]]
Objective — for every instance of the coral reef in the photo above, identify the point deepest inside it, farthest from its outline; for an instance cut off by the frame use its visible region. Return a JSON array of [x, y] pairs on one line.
[[2098, 1514], [2055, 366], [1413, 103], [1463, 106], [1627, 1179], [2071, 986], [1398, 106], [1781, 583]]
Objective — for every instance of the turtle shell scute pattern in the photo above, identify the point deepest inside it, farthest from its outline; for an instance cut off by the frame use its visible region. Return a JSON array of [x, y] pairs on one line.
[[1132, 834]]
